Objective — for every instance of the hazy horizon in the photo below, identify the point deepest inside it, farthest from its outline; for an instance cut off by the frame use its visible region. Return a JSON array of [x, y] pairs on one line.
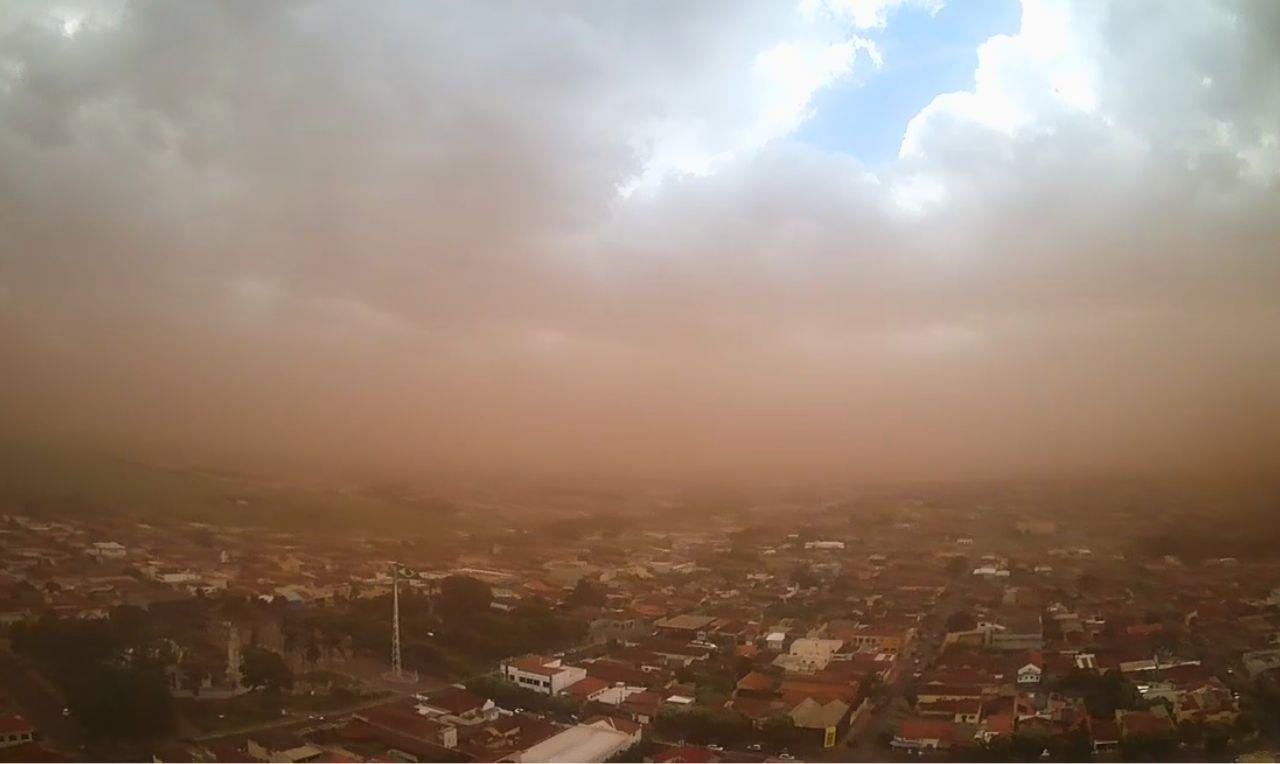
[[748, 242]]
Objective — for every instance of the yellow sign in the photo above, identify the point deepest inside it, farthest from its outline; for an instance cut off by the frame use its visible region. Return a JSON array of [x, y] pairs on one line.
[[829, 739]]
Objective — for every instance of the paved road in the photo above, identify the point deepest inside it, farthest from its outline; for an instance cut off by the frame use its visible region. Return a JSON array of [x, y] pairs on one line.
[[859, 742], [300, 719]]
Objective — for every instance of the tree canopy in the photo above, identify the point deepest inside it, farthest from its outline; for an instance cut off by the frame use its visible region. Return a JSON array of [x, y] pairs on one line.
[[266, 670], [463, 595]]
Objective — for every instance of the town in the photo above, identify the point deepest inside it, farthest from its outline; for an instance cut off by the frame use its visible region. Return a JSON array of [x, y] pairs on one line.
[[891, 628]]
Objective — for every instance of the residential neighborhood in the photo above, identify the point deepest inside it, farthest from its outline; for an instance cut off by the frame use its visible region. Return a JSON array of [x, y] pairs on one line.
[[824, 632]]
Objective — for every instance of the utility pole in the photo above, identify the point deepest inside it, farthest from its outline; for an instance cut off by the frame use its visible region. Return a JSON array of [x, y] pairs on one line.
[[396, 667], [233, 657]]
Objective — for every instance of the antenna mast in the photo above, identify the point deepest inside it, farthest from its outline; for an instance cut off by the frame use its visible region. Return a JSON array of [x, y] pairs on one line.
[[397, 672]]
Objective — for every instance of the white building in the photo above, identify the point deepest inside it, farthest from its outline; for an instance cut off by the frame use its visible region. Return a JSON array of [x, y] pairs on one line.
[[808, 655], [539, 673], [824, 545], [599, 740], [107, 550], [1030, 674]]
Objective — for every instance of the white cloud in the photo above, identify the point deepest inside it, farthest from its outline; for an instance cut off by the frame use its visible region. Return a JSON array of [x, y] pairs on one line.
[[770, 100], [1021, 79], [866, 14]]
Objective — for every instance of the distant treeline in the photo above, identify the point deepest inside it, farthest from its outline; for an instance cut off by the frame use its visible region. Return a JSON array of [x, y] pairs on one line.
[[1248, 533], [47, 482]]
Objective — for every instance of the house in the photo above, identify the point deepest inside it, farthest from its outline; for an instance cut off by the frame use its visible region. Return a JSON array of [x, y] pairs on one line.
[[1154, 721], [995, 726], [1104, 733], [809, 655], [885, 638], [674, 653], [539, 673], [106, 550], [281, 746], [686, 627], [1210, 703], [643, 706], [506, 737], [598, 690], [587, 688], [615, 625], [758, 710], [959, 710], [1030, 673], [1022, 632], [935, 692], [595, 741], [458, 706], [618, 672], [924, 735], [757, 685], [827, 718], [406, 720], [15, 731]]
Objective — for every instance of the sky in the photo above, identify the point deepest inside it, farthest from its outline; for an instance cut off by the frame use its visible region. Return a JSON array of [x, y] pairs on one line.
[[739, 240]]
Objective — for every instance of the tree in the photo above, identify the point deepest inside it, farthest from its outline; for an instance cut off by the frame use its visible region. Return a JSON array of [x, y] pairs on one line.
[[961, 620], [1103, 693], [703, 725], [110, 671], [780, 732], [875, 688], [957, 565], [586, 593], [804, 577], [263, 669], [461, 596], [1147, 747], [1087, 582], [1052, 630], [1072, 746], [122, 702], [1216, 742], [1028, 747]]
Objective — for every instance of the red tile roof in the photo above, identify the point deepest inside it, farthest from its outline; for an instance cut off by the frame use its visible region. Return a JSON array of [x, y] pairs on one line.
[[757, 682], [999, 724], [535, 664], [926, 729], [585, 688], [15, 724], [622, 725], [455, 700]]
